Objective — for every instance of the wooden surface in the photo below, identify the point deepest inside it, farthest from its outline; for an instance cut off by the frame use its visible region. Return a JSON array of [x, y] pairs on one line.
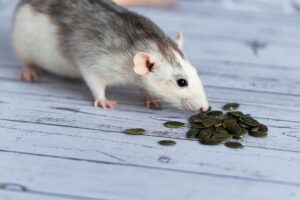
[[54, 145]]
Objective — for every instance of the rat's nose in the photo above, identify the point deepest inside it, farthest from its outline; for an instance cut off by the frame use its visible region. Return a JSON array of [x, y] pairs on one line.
[[204, 108]]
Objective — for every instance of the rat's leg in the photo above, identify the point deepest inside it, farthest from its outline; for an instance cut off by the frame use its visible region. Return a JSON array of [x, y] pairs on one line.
[[150, 101], [97, 86], [31, 73], [160, 3]]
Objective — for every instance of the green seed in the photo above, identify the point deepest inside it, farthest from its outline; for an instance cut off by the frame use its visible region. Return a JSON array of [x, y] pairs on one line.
[[254, 129], [210, 141], [195, 119], [221, 130], [167, 142], [231, 106], [209, 122], [263, 128], [232, 127], [239, 136], [258, 134], [193, 133], [222, 136], [202, 115], [197, 125], [215, 113], [236, 114], [234, 145], [174, 124], [250, 121], [205, 133], [136, 131]]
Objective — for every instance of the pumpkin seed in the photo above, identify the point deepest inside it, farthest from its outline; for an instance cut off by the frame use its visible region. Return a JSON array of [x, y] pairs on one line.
[[210, 141], [221, 130], [232, 127], [236, 114], [234, 145], [192, 133], [215, 113], [222, 136], [167, 142], [231, 106], [250, 121], [258, 134], [202, 115], [195, 119], [263, 128], [174, 124], [209, 122], [135, 131], [205, 133]]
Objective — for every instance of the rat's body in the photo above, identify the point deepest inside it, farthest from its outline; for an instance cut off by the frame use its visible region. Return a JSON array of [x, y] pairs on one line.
[[101, 42]]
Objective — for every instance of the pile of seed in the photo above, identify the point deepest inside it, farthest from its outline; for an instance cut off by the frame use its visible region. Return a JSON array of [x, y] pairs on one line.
[[215, 127]]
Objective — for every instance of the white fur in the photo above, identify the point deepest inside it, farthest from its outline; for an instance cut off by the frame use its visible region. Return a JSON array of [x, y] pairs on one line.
[[36, 42]]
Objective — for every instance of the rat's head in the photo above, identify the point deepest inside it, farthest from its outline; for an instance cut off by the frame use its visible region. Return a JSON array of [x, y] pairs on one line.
[[172, 78]]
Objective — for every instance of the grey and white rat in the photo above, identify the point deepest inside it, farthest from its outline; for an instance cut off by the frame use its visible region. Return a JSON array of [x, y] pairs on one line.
[[105, 44]]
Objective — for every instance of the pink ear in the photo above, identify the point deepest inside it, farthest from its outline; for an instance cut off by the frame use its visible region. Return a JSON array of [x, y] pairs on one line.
[[180, 40], [143, 63]]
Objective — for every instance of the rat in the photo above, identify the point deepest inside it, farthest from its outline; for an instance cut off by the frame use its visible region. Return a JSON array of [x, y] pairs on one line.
[[105, 44]]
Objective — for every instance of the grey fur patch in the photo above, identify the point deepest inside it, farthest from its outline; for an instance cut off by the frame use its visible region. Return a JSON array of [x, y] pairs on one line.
[[89, 28]]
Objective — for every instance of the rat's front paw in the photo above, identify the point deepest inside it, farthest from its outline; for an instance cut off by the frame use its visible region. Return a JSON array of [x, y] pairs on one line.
[[105, 104], [149, 101], [30, 74]]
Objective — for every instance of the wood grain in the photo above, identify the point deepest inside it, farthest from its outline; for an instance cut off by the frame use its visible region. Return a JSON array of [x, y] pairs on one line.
[[54, 145]]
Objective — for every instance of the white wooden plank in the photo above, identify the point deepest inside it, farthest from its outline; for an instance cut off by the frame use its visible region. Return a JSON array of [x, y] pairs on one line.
[[219, 74], [31, 195], [118, 148], [98, 180]]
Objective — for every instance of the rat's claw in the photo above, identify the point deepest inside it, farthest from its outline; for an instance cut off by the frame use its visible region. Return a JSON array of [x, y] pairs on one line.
[[30, 74], [105, 104], [150, 102]]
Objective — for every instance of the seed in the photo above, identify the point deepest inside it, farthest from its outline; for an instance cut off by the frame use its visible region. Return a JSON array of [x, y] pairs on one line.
[[202, 115], [231, 106], [263, 128], [205, 133], [215, 113], [167, 142], [192, 133], [250, 121], [222, 136], [232, 127], [236, 114], [234, 145], [209, 122], [254, 129], [239, 136], [136, 131], [197, 125], [221, 130], [174, 124], [258, 134], [195, 119], [210, 141]]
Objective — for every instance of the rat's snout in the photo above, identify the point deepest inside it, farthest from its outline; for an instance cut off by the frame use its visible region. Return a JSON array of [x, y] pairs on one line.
[[196, 104]]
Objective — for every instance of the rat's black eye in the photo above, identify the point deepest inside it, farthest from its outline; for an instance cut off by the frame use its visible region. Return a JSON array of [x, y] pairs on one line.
[[182, 83]]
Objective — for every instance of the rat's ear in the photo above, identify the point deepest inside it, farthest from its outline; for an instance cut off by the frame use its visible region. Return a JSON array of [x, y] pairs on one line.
[[179, 40], [143, 63]]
